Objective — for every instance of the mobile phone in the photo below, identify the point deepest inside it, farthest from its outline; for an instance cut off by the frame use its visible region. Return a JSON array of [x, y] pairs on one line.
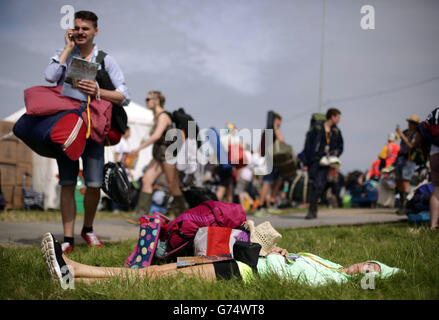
[[71, 36]]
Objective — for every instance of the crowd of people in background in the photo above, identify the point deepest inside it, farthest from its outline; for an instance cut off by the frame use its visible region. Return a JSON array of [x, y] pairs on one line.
[[318, 180], [317, 177], [399, 168]]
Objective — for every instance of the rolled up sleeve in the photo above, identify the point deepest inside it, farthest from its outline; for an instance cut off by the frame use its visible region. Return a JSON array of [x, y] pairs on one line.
[[55, 71], [117, 78]]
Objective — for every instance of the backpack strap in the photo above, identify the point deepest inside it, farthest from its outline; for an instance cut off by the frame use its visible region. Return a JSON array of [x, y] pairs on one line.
[[100, 58], [170, 116], [102, 76], [293, 185]]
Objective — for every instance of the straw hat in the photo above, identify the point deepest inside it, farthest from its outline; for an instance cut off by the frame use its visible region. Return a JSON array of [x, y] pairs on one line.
[[414, 118], [265, 235]]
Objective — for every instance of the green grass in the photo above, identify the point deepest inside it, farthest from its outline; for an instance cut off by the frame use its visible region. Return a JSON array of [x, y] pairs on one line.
[[23, 274], [55, 215]]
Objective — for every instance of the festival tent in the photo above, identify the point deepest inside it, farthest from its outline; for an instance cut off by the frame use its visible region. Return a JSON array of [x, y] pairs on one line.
[[45, 170]]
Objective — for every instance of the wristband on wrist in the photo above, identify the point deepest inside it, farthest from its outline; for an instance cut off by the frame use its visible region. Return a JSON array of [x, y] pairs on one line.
[[98, 94]]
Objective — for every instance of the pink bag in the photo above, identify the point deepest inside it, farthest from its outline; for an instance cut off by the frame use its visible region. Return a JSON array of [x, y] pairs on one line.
[[209, 213], [44, 100]]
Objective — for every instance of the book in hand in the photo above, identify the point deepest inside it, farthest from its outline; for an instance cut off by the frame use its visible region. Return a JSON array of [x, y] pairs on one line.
[[191, 261], [78, 70]]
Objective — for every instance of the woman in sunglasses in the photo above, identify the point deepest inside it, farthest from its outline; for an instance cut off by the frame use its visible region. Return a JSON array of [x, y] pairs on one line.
[[155, 101]]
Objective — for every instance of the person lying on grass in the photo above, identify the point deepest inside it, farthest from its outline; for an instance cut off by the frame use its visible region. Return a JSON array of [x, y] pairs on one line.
[[304, 267]]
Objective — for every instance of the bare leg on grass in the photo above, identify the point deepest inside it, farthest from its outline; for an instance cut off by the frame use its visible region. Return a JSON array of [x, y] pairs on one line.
[[82, 271]]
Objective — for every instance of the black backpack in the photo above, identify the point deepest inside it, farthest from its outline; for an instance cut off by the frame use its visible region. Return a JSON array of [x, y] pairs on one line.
[[119, 118], [181, 120], [196, 195], [116, 184]]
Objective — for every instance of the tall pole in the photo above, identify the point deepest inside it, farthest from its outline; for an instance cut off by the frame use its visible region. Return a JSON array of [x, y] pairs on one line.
[[322, 56]]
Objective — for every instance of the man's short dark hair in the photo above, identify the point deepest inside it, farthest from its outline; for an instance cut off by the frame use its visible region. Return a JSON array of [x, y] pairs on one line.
[[87, 15], [332, 112]]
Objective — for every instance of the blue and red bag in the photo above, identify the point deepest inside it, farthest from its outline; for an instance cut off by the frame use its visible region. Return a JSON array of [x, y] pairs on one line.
[[63, 133], [56, 122]]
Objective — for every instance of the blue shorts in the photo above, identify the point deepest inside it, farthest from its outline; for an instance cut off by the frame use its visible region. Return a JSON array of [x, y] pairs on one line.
[[404, 169], [92, 164], [272, 176]]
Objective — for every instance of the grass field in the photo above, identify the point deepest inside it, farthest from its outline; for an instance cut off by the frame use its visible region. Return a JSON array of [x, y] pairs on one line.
[[415, 249]]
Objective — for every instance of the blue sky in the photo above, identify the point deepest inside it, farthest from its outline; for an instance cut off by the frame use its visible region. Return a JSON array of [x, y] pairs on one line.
[[235, 60]]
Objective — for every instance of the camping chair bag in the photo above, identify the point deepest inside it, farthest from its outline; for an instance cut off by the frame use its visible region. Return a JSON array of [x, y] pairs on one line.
[[143, 254]]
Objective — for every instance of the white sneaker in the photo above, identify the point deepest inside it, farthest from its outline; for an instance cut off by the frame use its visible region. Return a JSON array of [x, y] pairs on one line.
[[52, 255]]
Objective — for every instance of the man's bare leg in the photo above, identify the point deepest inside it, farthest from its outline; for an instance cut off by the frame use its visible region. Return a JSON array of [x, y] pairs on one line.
[[68, 209], [91, 201]]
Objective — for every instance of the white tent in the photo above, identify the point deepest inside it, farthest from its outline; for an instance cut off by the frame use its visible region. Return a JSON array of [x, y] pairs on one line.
[[140, 121], [45, 170]]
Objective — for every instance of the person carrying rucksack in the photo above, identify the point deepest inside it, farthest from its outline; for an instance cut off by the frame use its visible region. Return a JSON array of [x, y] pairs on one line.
[[405, 165], [79, 42], [155, 101], [389, 152], [323, 140], [273, 179]]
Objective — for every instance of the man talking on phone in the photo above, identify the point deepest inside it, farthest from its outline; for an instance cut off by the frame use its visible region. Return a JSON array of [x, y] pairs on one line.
[[79, 42]]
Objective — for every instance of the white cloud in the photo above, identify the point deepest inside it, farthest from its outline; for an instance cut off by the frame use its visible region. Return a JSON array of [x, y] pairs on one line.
[[227, 45]]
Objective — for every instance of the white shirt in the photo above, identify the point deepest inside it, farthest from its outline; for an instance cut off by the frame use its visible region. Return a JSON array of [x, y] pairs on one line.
[[247, 171], [121, 148]]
